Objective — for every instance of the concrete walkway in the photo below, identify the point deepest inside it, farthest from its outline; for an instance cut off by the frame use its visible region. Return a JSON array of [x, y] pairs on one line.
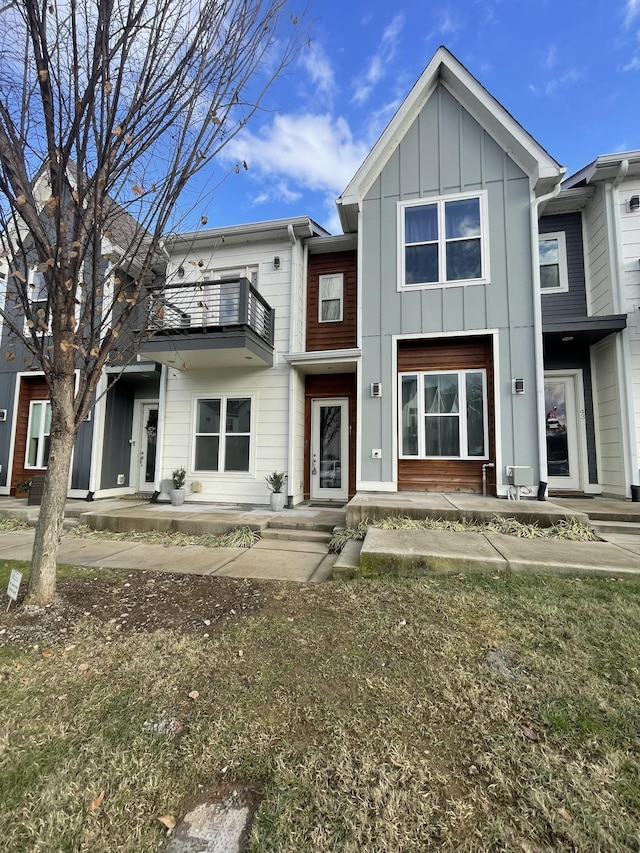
[[267, 560]]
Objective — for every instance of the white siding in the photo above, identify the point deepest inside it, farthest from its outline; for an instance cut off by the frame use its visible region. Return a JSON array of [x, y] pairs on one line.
[[598, 271], [609, 417], [630, 240], [269, 387]]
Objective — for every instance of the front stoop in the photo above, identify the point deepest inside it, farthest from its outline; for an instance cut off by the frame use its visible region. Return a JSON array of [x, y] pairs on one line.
[[429, 552]]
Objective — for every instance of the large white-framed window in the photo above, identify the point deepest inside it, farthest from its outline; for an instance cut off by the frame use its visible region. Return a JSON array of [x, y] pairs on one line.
[[38, 434], [223, 429], [443, 414], [443, 241], [330, 298], [554, 274]]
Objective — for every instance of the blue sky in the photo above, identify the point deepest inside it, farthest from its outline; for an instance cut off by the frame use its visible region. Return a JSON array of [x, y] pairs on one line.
[[568, 71]]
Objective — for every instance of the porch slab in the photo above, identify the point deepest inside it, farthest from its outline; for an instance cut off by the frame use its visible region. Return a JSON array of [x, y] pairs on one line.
[[628, 541], [272, 565], [565, 557], [423, 552], [377, 505], [17, 545]]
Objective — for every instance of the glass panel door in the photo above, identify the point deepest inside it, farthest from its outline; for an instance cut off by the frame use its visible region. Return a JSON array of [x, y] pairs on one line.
[[148, 447], [329, 449], [562, 435]]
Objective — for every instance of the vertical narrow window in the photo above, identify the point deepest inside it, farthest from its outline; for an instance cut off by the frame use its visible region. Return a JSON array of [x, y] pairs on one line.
[[208, 435], [237, 435], [38, 434], [330, 300], [553, 262], [409, 415]]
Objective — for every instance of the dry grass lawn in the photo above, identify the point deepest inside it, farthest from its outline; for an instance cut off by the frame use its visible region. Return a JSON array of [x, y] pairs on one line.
[[496, 714]]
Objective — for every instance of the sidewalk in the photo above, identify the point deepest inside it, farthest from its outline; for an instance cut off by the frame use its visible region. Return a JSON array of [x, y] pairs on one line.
[[269, 559]]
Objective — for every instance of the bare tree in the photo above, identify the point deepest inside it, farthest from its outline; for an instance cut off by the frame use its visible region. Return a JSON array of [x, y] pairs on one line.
[[108, 109]]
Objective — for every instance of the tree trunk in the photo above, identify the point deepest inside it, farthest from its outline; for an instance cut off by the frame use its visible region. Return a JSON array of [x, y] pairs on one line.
[[42, 577]]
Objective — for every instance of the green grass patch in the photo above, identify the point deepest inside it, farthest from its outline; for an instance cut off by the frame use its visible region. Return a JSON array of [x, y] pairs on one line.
[[370, 716]]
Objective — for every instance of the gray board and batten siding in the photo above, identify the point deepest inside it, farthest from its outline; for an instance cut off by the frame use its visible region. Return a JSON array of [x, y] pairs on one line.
[[446, 151]]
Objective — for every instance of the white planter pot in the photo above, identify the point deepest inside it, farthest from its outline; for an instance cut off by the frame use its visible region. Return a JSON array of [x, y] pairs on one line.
[[177, 497], [277, 501]]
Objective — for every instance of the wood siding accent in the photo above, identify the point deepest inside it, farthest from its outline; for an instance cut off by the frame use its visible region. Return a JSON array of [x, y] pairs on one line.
[[449, 475], [338, 335], [31, 388], [325, 387]]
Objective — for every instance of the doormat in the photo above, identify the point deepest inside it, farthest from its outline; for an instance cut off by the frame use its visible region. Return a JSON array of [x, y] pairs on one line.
[[573, 495], [327, 504]]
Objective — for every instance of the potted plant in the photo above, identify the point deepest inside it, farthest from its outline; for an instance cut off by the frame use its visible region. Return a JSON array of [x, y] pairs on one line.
[[276, 482], [176, 494]]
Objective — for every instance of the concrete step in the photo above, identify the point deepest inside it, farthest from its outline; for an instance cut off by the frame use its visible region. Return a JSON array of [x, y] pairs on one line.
[[318, 524], [608, 528], [347, 563], [296, 534]]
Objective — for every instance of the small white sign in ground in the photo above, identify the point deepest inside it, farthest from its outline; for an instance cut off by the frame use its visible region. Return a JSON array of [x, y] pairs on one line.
[[15, 579]]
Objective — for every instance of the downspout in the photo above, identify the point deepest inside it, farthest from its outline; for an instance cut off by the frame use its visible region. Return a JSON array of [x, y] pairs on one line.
[[162, 406], [97, 444], [539, 342], [617, 275], [293, 315]]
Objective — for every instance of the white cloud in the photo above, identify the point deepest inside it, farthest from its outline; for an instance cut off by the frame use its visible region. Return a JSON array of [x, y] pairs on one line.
[[318, 66], [550, 58], [634, 65], [631, 12], [379, 62], [446, 27], [314, 152], [555, 86]]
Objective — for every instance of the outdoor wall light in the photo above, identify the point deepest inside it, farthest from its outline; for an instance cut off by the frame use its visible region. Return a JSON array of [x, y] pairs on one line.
[[180, 272], [518, 386], [634, 203], [276, 263]]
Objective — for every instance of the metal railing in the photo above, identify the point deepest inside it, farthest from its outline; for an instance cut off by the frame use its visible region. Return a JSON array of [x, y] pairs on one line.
[[210, 305]]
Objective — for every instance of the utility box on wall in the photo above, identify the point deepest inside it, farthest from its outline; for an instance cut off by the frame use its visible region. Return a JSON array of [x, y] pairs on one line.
[[520, 475]]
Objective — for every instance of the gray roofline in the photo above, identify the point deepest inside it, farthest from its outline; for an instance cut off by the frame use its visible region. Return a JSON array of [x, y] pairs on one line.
[[250, 229], [604, 161]]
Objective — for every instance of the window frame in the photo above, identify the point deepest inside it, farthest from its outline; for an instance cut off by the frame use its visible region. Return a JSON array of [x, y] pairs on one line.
[[563, 267], [42, 435], [222, 434], [419, 376], [321, 279], [440, 202]]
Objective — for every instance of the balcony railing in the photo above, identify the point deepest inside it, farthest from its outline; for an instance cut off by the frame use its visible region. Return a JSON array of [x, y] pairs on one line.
[[210, 305]]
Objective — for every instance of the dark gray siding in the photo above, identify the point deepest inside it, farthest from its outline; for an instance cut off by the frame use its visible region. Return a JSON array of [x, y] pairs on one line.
[[7, 395], [82, 457], [573, 304], [116, 456]]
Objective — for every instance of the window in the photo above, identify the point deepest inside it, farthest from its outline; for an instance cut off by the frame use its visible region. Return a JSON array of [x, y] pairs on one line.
[[37, 318], [553, 262], [443, 241], [38, 434], [223, 434], [220, 302], [330, 298], [444, 415]]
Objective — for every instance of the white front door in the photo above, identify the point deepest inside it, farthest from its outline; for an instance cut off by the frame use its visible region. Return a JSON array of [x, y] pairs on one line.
[[145, 448], [330, 449], [564, 428]]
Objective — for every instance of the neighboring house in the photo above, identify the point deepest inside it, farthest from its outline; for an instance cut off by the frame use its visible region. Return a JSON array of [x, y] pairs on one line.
[[103, 452], [603, 346]]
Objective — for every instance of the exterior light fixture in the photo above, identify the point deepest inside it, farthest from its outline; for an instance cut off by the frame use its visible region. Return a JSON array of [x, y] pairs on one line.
[[634, 203], [276, 263], [518, 386]]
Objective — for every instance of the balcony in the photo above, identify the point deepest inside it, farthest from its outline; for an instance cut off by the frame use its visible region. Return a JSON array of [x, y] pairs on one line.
[[209, 325]]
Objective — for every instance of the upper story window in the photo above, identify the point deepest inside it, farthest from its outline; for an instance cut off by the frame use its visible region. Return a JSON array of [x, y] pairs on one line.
[[443, 241], [554, 277], [38, 315], [330, 298]]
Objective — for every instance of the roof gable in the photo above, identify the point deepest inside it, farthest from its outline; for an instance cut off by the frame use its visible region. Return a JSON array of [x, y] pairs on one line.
[[445, 69]]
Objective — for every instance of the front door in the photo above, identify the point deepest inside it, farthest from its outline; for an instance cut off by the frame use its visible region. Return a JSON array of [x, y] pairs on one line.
[[563, 435], [146, 447], [330, 449]]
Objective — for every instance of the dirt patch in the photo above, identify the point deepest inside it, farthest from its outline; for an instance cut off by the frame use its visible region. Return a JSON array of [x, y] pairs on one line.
[[134, 602]]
